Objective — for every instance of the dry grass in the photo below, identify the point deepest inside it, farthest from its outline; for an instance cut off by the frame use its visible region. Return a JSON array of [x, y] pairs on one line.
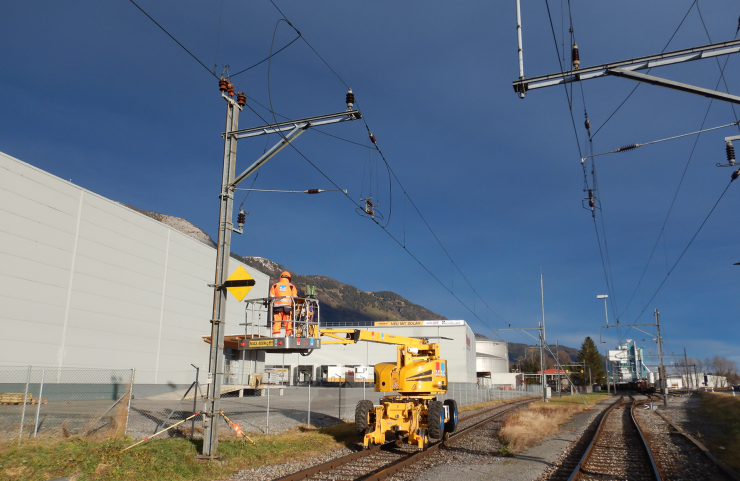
[[165, 459], [529, 426], [724, 409], [476, 407]]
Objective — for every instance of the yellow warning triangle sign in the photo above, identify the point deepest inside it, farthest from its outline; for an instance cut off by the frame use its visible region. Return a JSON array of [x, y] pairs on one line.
[[239, 283]]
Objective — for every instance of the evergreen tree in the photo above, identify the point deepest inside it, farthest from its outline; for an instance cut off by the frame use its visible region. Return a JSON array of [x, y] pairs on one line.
[[590, 355]]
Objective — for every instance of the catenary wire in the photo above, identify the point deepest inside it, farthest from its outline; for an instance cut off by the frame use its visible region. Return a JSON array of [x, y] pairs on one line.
[[173, 38], [648, 71], [267, 58], [575, 131], [390, 168], [721, 69], [675, 195], [684, 251], [567, 95], [357, 204], [218, 35], [698, 132], [384, 229]]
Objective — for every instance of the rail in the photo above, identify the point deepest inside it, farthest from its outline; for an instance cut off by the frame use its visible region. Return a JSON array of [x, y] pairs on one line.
[[581, 471], [397, 465], [721, 465]]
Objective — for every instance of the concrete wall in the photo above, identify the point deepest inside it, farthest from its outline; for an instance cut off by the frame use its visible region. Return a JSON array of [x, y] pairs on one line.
[[87, 282], [459, 351]]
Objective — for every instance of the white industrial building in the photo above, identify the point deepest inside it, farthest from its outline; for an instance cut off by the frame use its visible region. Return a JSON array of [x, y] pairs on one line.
[[89, 283], [457, 344], [492, 362]]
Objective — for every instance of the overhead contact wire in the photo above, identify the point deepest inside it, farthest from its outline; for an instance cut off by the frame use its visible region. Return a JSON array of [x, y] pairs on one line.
[[390, 169]]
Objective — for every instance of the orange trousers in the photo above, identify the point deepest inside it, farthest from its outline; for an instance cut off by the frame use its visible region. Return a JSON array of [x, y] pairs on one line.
[[279, 319]]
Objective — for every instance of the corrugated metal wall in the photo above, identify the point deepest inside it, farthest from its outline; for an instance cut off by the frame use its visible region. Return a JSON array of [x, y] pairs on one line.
[[87, 282]]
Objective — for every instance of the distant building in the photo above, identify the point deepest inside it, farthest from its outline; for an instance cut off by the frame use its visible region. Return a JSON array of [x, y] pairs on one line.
[[492, 362], [700, 380], [627, 363], [457, 343]]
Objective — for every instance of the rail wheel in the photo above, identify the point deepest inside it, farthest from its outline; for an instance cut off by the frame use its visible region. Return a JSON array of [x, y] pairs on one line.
[[422, 433], [361, 415], [451, 423], [435, 419]]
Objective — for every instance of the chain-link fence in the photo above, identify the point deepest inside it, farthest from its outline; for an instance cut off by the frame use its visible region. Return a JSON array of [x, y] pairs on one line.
[[38, 401], [68, 402]]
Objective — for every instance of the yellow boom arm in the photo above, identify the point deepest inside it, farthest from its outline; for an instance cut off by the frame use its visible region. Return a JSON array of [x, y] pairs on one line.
[[347, 336]]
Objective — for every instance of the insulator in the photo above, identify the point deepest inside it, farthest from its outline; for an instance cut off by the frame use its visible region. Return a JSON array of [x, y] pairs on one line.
[[575, 57], [230, 89], [587, 124], [241, 99], [372, 137], [241, 218], [735, 174], [627, 147], [730, 153], [222, 84], [350, 99], [314, 191]]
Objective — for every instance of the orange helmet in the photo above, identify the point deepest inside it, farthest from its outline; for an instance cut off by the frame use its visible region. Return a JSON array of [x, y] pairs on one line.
[[286, 275]]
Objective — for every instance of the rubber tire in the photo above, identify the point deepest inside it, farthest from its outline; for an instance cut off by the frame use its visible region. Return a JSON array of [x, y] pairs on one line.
[[361, 412], [451, 424], [435, 419]]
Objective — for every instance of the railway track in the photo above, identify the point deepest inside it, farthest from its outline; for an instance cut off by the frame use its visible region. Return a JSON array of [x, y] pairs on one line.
[[618, 450], [382, 462], [677, 453]]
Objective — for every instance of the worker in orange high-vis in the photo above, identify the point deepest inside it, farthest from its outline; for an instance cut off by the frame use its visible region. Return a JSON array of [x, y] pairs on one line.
[[282, 306]]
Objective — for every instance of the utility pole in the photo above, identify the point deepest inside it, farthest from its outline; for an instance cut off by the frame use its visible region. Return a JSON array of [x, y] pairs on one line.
[[557, 362], [223, 251], [229, 182], [542, 342], [606, 351], [663, 376], [686, 369]]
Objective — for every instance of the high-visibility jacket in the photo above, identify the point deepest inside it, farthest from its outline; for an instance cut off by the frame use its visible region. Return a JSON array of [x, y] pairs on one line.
[[283, 290]]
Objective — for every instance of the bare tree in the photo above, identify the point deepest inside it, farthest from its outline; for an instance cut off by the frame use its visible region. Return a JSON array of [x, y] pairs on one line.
[[725, 367]]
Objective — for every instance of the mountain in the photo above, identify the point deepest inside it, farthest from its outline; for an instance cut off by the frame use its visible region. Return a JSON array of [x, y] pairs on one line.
[[516, 349], [184, 226], [345, 303], [339, 302]]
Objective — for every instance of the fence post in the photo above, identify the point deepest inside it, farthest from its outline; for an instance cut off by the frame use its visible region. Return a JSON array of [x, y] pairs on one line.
[[38, 408], [308, 419], [268, 403], [195, 400], [25, 401], [340, 400], [130, 394]]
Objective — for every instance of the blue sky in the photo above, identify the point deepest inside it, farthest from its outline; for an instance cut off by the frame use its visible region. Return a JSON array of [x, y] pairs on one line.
[[96, 93]]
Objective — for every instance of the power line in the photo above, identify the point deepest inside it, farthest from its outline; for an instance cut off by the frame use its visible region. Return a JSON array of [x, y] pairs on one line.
[[570, 103], [267, 58], [429, 271], [685, 249], [390, 169], [173, 38], [678, 188], [648, 71]]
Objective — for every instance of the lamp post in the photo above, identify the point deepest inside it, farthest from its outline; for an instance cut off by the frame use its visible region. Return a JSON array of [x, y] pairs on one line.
[[606, 351]]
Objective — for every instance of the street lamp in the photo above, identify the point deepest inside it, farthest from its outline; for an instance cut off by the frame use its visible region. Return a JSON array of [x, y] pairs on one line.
[[606, 352]]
